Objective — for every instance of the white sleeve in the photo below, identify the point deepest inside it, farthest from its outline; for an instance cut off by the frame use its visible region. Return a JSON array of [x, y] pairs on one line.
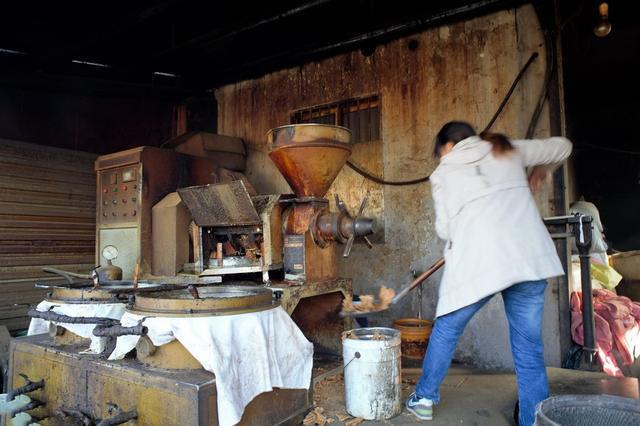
[[536, 152], [442, 219]]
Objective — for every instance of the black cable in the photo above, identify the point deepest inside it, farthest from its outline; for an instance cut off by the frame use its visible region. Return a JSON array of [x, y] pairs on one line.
[[381, 181], [545, 87], [532, 58]]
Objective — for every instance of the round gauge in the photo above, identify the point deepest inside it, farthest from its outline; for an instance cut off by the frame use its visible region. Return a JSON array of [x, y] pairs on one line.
[[109, 252]]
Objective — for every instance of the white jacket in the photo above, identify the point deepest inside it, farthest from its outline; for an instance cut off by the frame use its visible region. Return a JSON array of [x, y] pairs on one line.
[[486, 213]]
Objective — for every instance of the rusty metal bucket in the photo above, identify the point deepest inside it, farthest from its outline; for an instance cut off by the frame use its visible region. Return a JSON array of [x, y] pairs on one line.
[[414, 334]]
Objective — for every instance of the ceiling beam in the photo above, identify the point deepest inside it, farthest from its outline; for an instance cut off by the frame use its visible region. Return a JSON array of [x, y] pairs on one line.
[[309, 52], [127, 23], [210, 38]]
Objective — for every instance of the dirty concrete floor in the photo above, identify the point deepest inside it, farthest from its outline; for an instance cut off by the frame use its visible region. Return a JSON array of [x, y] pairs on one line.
[[472, 397]]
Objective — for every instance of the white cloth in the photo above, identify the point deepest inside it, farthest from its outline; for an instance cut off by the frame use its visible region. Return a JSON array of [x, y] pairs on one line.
[[249, 353], [599, 246], [100, 310], [486, 213]]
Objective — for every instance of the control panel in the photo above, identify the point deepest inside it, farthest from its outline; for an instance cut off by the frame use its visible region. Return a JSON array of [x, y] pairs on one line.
[[120, 191]]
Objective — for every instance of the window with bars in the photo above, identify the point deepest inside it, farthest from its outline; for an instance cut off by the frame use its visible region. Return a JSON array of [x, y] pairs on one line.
[[361, 116]]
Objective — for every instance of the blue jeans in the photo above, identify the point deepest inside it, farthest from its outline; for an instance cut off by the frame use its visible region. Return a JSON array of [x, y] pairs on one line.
[[524, 304]]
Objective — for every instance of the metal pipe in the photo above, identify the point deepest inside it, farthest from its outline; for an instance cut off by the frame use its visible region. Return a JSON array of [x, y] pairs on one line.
[[582, 232], [119, 330], [28, 387], [119, 418], [77, 414], [55, 317], [66, 274], [588, 322], [35, 403]]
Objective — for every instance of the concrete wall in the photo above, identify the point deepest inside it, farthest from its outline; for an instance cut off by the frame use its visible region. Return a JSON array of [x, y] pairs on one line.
[[459, 71]]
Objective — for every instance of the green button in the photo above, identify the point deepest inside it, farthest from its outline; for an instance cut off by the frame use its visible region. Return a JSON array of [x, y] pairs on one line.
[[115, 189]]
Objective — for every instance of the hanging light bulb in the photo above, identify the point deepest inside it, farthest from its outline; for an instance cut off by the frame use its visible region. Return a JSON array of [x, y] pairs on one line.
[[603, 26]]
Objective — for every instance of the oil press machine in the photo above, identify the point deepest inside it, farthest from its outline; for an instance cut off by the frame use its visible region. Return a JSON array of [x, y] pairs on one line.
[[310, 156], [296, 233], [165, 385]]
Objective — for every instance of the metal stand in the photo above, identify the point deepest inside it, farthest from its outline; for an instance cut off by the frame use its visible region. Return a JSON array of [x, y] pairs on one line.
[[581, 230]]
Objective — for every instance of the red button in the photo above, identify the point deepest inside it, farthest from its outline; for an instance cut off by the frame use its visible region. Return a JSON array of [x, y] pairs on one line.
[[124, 187], [105, 190], [124, 200]]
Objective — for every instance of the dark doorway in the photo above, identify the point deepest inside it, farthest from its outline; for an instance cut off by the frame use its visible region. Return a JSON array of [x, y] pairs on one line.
[[602, 91]]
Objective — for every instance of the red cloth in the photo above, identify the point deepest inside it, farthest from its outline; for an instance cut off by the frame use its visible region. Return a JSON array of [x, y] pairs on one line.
[[617, 322]]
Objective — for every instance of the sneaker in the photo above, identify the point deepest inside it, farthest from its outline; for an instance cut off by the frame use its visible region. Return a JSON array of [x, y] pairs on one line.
[[422, 408]]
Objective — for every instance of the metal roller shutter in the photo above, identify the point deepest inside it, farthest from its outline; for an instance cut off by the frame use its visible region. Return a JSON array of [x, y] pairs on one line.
[[47, 218]]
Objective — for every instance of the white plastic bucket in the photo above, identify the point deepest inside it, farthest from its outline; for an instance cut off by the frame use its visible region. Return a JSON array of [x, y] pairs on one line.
[[372, 372]]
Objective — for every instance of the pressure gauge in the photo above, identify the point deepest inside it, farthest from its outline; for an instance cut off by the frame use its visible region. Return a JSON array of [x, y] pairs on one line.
[[109, 252]]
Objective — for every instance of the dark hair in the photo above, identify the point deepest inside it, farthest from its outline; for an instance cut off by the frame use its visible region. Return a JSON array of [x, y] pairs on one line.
[[453, 131], [456, 131], [501, 143]]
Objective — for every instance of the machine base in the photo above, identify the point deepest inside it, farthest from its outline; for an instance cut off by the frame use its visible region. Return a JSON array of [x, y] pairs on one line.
[[315, 307], [161, 397]]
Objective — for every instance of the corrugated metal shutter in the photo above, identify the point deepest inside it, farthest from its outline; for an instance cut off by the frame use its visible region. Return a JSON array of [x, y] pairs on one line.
[[47, 218]]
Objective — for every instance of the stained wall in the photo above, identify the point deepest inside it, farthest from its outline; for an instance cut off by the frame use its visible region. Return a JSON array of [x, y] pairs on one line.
[[458, 71]]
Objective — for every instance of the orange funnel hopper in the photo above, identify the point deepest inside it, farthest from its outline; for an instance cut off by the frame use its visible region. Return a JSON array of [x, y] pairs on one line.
[[309, 156]]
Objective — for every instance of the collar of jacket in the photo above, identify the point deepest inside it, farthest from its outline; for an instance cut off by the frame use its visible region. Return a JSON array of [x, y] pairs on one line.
[[468, 150]]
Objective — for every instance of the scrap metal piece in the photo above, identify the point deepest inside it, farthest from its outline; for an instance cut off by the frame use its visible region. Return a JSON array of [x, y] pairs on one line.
[[223, 204]]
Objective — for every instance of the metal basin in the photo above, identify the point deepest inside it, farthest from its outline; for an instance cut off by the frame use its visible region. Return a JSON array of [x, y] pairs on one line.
[[86, 293], [211, 300]]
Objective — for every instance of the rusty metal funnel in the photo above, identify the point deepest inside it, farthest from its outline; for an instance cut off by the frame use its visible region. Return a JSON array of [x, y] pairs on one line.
[[309, 156]]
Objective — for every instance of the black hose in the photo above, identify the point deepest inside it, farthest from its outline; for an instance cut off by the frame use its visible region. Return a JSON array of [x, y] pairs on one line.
[[533, 56], [381, 181], [551, 59]]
